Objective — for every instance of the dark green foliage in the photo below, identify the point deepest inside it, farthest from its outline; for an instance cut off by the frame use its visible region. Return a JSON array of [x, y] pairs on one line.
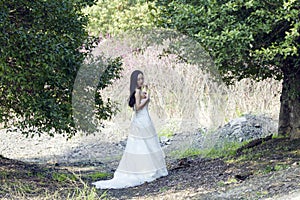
[[246, 38], [40, 55], [256, 39], [113, 17]]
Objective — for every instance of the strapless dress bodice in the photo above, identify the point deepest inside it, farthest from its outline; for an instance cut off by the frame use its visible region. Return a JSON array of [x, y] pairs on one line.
[[143, 111]]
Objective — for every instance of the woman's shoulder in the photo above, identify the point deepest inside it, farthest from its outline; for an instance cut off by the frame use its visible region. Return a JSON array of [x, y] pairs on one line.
[[137, 92]]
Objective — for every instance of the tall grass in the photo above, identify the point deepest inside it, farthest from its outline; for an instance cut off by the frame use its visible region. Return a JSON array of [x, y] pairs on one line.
[[184, 93], [68, 188]]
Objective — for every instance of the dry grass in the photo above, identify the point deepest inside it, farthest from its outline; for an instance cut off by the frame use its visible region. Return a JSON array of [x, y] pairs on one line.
[[22, 180], [184, 94]]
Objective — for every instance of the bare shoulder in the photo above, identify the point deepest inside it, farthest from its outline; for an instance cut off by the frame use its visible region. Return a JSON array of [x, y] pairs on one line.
[[137, 92]]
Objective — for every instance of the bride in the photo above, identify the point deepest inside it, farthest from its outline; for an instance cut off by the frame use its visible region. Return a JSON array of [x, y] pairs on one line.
[[143, 159]]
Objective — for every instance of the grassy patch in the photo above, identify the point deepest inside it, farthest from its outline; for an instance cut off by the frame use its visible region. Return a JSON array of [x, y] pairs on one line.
[[227, 150], [169, 129], [276, 135], [262, 193], [166, 132], [248, 156], [3, 174], [229, 181], [163, 189], [99, 175], [189, 152], [221, 183], [278, 167], [21, 180], [62, 177], [87, 193], [269, 168], [24, 187]]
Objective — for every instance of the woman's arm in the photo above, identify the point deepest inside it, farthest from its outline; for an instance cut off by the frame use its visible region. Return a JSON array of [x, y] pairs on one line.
[[139, 105]]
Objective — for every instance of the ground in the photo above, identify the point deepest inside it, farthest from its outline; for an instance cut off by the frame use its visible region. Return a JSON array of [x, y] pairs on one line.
[[268, 170]]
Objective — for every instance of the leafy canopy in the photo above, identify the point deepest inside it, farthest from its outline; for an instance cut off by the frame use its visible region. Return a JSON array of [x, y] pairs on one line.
[[116, 16], [246, 38], [40, 54]]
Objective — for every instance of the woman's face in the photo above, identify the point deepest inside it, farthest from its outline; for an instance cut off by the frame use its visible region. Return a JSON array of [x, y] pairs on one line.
[[140, 80]]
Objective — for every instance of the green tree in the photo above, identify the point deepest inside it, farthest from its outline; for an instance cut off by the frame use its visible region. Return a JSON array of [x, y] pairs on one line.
[[116, 16], [40, 54], [258, 39]]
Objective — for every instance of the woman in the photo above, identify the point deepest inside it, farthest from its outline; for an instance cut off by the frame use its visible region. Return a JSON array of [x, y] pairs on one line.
[[143, 159]]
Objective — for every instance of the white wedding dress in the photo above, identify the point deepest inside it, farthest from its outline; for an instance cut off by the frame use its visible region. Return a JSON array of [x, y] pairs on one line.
[[143, 159]]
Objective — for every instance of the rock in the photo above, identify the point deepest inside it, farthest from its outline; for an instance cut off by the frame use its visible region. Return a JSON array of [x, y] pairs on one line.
[[164, 139], [122, 144], [237, 121], [257, 125], [247, 127]]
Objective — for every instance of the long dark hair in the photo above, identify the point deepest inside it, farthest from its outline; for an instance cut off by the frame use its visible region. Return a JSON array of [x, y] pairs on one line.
[[133, 86]]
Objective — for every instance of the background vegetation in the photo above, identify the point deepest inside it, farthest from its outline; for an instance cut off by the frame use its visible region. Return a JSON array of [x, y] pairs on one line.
[[43, 45]]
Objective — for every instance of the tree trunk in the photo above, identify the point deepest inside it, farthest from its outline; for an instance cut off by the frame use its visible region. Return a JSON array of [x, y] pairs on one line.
[[284, 116], [295, 106], [289, 117]]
